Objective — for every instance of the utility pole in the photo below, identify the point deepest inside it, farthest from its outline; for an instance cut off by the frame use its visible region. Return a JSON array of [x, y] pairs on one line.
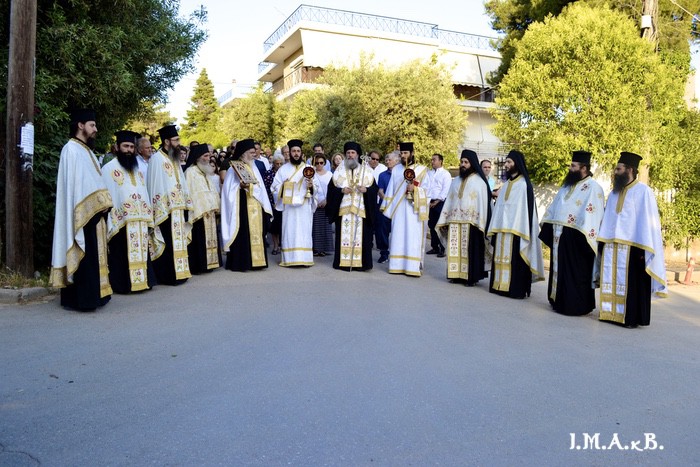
[[649, 21], [19, 150]]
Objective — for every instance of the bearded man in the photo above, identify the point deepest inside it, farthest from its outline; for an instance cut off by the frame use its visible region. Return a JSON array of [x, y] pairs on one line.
[[630, 248], [170, 201], [351, 205], [514, 230], [570, 229], [464, 221], [244, 203], [296, 196], [203, 250], [79, 257], [130, 227], [406, 204]]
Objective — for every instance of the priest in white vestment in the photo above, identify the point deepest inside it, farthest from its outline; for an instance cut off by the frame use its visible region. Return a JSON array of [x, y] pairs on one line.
[[79, 257], [570, 229], [632, 265], [202, 185], [352, 206], [406, 204], [296, 196], [171, 202], [244, 200], [130, 227], [513, 232], [463, 223]]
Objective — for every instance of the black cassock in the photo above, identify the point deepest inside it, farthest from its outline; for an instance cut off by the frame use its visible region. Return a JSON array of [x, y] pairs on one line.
[[239, 256], [333, 200], [84, 292], [575, 295], [164, 266], [197, 249], [118, 260], [520, 273]]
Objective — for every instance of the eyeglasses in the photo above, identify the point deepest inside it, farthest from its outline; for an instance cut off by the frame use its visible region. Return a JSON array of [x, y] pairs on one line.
[[374, 159], [320, 163]]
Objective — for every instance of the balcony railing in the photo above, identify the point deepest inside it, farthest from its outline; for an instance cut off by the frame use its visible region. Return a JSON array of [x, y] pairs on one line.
[[298, 76], [376, 23]]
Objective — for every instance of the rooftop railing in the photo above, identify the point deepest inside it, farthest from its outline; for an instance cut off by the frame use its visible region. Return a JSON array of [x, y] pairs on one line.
[[376, 23]]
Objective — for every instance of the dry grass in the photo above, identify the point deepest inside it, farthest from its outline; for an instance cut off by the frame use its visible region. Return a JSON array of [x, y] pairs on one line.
[[13, 280]]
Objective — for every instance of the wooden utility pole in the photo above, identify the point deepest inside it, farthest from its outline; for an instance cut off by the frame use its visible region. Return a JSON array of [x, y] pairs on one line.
[[650, 18], [650, 32], [19, 150]]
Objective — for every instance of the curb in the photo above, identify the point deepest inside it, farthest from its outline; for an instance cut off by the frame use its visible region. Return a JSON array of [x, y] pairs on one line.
[[16, 296]]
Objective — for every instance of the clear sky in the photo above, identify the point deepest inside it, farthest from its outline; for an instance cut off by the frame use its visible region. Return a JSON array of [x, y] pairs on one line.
[[237, 31]]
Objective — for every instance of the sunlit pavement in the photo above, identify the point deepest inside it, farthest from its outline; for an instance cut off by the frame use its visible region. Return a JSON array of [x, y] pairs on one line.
[[322, 367]]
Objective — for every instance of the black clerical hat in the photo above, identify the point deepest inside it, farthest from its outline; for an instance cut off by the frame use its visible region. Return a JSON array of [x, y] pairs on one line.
[[352, 145], [468, 154], [630, 159], [126, 136], [241, 147], [167, 132], [582, 157], [82, 115], [405, 146], [295, 142]]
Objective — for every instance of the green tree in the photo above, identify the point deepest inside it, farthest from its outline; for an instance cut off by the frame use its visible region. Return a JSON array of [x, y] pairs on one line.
[[203, 113], [149, 119], [88, 55], [677, 177], [512, 18], [378, 106], [257, 116], [585, 79]]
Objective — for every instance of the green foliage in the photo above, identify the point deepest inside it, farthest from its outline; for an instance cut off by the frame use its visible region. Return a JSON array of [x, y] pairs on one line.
[[585, 79], [513, 17], [89, 54], [678, 174], [149, 119], [378, 106], [202, 117], [257, 116]]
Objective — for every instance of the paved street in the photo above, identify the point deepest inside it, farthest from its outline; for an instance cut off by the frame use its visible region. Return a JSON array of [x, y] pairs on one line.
[[322, 367]]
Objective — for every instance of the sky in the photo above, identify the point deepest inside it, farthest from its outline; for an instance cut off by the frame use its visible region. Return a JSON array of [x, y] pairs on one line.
[[237, 31]]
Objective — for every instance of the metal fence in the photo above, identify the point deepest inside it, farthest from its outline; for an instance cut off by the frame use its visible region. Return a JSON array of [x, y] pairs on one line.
[[376, 23]]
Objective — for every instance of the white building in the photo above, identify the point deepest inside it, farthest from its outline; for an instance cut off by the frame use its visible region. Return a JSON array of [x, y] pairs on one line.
[[312, 38]]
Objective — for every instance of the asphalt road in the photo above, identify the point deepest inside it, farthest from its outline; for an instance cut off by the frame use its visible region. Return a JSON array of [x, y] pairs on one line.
[[322, 367]]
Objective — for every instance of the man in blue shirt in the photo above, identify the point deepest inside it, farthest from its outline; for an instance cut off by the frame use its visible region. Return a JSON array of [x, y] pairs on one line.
[[383, 226]]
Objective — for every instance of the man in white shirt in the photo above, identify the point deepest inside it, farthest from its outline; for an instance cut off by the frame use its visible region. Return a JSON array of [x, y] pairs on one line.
[[375, 164], [440, 180], [145, 149]]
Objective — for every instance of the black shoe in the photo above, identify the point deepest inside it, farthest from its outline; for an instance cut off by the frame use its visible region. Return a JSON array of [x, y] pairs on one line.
[[432, 251], [441, 254], [383, 259]]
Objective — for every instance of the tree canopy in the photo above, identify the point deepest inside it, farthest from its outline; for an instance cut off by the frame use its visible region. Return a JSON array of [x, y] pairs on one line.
[[203, 115], [89, 54], [585, 79], [258, 116], [379, 106], [513, 17]]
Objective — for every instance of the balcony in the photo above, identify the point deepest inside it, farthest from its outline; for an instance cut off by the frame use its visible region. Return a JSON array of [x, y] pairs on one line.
[[299, 76], [376, 23]]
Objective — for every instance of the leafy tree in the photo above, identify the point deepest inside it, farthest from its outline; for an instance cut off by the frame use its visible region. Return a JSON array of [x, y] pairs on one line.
[[203, 114], [86, 55], [513, 17], [585, 79], [677, 176], [149, 119], [257, 116], [378, 106]]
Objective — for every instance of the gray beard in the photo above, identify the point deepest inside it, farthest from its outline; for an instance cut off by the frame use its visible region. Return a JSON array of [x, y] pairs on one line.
[[174, 155], [351, 164], [206, 168]]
